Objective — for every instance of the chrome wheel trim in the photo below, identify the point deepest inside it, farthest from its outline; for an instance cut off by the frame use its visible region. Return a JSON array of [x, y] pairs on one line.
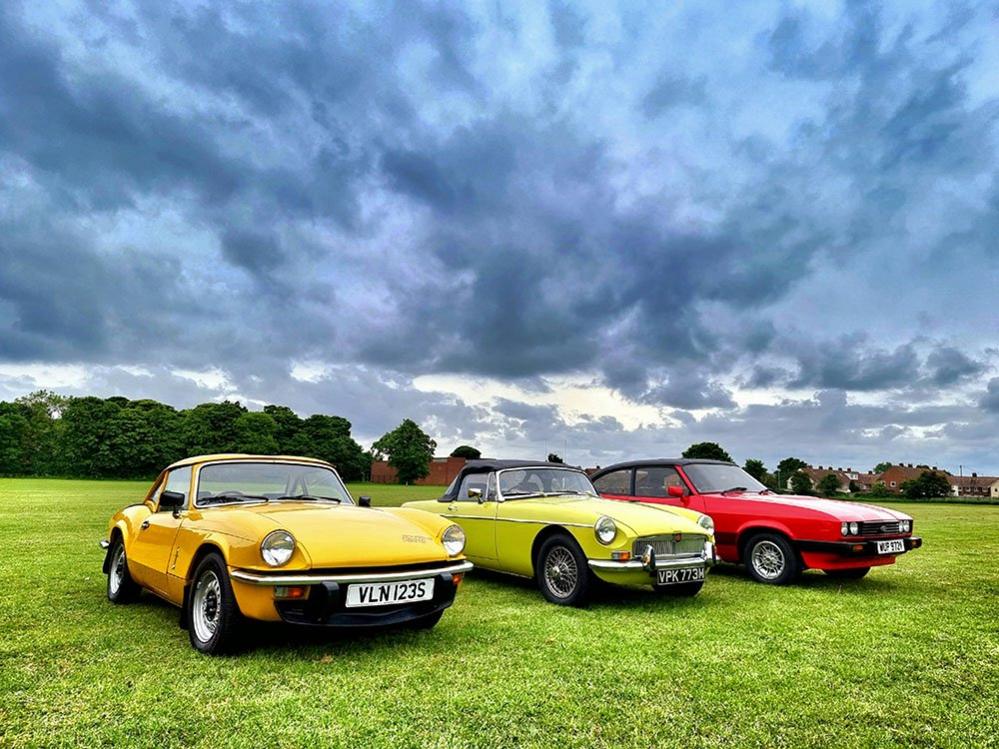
[[561, 572], [768, 560], [116, 572], [206, 605]]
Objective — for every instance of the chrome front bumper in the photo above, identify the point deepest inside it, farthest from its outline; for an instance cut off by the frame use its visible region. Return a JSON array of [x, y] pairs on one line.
[[256, 578], [707, 558]]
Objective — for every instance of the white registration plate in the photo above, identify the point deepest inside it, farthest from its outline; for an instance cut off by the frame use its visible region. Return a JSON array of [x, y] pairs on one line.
[[674, 577], [388, 594], [895, 546]]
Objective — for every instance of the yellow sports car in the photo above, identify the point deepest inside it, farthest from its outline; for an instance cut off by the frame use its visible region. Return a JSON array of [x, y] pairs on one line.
[[546, 521], [279, 538]]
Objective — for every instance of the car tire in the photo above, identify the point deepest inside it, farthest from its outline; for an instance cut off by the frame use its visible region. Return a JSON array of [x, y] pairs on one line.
[[562, 572], [425, 622], [214, 622], [121, 587], [854, 573], [770, 559], [682, 590]]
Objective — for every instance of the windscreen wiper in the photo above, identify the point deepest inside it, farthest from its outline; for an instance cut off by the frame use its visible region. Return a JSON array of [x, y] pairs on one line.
[[233, 498], [310, 497], [734, 489]]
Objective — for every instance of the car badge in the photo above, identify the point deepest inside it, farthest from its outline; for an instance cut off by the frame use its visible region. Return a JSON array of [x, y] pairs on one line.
[[677, 536]]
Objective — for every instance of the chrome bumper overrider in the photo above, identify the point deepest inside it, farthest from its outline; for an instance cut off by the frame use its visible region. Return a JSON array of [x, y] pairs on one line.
[[256, 578]]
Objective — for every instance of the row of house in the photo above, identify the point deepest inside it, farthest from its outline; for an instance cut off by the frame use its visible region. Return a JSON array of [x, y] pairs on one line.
[[852, 481]]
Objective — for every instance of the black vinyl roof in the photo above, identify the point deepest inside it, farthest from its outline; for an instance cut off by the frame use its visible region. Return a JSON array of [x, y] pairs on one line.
[[487, 466], [659, 463]]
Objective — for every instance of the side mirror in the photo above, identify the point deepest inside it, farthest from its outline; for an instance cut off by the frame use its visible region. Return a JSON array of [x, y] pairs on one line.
[[171, 500], [364, 501], [675, 491], [475, 493]]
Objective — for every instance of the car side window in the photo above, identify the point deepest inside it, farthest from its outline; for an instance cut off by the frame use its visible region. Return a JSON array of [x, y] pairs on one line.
[[615, 482], [178, 480], [472, 481], [656, 480]]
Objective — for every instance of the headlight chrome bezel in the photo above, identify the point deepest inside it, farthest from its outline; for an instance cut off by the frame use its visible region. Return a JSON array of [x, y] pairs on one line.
[[605, 529], [707, 523], [453, 539], [277, 548]]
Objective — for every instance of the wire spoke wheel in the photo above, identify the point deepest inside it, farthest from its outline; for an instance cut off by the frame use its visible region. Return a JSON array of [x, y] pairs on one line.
[[561, 572], [768, 560], [117, 570], [206, 606]]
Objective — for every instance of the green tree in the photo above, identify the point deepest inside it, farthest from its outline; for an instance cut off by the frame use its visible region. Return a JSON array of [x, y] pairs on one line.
[[881, 467], [256, 434], [555, 458], [707, 450], [14, 431], [789, 465], [288, 430], [801, 483], [828, 485], [930, 484], [90, 438], [211, 428], [467, 452], [880, 490], [328, 438], [853, 486], [144, 437], [408, 449], [756, 469]]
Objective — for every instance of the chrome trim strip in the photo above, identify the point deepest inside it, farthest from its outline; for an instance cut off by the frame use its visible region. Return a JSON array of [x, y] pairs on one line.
[[514, 520], [255, 578], [105, 544]]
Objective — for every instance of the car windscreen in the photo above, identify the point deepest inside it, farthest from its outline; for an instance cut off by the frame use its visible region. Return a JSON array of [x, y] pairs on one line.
[[708, 478], [523, 482], [234, 482]]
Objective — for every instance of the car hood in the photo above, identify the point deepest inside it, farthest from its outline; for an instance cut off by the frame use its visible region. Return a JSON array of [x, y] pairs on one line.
[[340, 535], [644, 520], [834, 508]]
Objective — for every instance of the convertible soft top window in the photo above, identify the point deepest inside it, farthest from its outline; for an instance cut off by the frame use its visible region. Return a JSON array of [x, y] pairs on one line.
[[238, 482], [523, 482]]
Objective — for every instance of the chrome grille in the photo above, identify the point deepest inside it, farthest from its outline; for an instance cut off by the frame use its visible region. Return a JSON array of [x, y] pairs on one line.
[[688, 545], [880, 528]]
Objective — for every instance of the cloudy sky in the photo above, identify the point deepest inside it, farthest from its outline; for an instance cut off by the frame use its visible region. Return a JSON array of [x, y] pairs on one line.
[[606, 231]]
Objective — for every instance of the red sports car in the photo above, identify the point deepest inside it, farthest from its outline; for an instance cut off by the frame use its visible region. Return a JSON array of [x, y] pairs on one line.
[[777, 536]]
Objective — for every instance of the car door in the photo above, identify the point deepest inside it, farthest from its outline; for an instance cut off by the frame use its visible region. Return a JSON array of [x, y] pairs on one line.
[[659, 485], [154, 540], [476, 516]]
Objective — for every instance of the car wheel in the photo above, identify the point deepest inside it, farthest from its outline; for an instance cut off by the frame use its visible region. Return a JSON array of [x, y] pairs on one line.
[[121, 587], [425, 622], [213, 617], [683, 590], [854, 573], [562, 572], [771, 559]]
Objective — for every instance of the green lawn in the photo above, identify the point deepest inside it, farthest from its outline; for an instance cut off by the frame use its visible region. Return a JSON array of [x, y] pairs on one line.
[[905, 657]]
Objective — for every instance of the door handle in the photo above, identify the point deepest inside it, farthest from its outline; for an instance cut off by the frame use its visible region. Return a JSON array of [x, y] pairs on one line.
[[145, 524]]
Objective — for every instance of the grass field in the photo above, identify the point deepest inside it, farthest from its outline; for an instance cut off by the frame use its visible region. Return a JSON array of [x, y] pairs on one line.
[[907, 657]]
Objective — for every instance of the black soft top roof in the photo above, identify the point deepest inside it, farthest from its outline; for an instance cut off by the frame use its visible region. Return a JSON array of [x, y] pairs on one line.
[[488, 466], [657, 463]]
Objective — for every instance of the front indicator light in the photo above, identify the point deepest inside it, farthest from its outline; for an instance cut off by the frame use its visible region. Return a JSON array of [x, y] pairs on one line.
[[289, 591], [620, 556], [456, 579], [858, 548]]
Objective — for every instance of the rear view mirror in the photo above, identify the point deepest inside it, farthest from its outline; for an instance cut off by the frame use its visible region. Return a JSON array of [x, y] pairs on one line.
[[675, 491], [171, 500], [364, 501], [475, 493]]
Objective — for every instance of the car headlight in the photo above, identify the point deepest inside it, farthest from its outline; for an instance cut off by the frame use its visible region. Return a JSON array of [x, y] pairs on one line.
[[905, 525], [854, 528], [706, 523], [845, 529], [605, 529], [277, 548], [453, 540]]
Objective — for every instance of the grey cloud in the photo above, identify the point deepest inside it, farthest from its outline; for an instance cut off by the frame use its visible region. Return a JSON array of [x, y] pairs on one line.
[[850, 364], [948, 365], [990, 401]]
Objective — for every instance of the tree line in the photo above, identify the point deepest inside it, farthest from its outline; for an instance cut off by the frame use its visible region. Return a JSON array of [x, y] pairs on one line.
[[46, 434]]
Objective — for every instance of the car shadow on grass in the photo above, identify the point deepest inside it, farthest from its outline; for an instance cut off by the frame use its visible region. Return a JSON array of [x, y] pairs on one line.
[[810, 579]]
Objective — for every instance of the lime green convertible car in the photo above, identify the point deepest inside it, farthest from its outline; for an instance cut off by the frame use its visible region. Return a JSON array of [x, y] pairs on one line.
[[546, 521]]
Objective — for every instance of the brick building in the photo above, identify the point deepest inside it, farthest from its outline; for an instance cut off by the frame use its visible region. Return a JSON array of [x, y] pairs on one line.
[[442, 472], [973, 485]]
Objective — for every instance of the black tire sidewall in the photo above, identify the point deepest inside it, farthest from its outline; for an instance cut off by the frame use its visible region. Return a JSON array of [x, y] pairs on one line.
[[581, 594], [224, 639], [128, 590], [792, 565]]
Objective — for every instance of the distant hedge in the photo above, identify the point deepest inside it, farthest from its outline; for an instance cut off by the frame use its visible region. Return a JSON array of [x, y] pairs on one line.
[[46, 434]]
